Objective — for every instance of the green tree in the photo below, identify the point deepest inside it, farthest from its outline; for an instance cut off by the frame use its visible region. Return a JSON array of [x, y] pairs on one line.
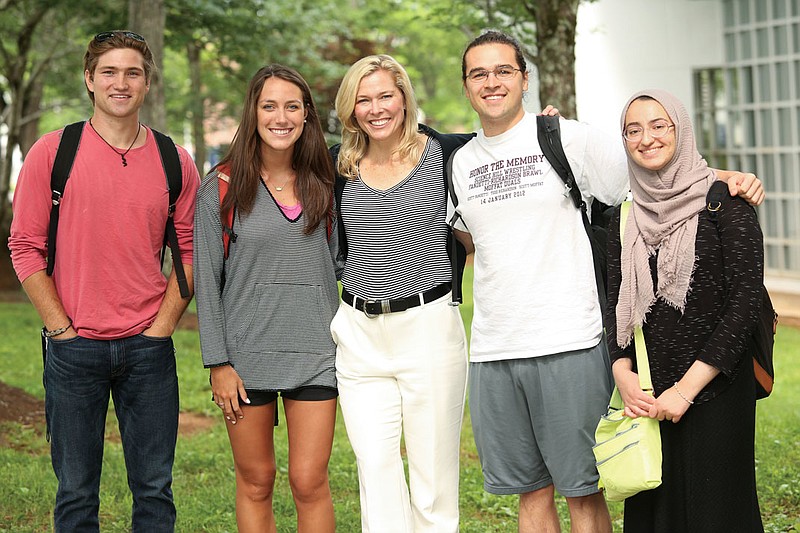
[[41, 49], [224, 43], [427, 38], [21, 82], [546, 30], [33, 45], [211, 48], [148, 17]]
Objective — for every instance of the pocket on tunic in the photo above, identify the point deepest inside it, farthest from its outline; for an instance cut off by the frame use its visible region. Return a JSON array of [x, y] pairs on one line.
[[286, 317]]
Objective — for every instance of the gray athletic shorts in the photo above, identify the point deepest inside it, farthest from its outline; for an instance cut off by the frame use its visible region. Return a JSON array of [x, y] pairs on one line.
[[534, 420]]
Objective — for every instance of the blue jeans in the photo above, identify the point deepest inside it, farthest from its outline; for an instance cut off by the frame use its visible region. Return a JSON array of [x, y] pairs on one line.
[[140, 374]]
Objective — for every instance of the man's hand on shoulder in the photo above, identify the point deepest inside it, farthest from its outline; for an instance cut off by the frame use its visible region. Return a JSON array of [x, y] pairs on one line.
[[550, 111], [744, 184]]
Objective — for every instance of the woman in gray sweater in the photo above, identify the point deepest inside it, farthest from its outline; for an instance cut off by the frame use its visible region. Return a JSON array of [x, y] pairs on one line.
[[265, 310]]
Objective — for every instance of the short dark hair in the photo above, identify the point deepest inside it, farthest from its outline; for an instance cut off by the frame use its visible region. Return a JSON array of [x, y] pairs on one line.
[[494, 37], [112, 40]]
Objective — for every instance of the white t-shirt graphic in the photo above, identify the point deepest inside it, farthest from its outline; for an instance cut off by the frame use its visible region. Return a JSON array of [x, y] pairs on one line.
[[534, 285]]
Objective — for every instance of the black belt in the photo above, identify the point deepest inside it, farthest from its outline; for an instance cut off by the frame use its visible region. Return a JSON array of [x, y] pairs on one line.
[[373, 308]]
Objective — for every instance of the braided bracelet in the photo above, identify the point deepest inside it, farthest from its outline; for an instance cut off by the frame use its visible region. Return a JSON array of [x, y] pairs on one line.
[[55, 332], [687, 400]]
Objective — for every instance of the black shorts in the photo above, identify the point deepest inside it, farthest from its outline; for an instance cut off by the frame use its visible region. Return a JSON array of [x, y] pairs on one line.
[[303, 394]]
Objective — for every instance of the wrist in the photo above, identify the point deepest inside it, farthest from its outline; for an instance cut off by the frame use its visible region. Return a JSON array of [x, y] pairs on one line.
[[686, 398], [622, 366], [69, 334], [49, 333], [159, 330]]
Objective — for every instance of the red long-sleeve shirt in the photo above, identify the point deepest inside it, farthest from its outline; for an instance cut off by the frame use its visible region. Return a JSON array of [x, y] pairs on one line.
[[110, 234]]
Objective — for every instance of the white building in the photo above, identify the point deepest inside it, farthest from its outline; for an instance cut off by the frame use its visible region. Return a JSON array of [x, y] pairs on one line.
[[736, 66]]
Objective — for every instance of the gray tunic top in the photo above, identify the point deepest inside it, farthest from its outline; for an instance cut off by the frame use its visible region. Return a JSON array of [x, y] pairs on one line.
[[271, 321]]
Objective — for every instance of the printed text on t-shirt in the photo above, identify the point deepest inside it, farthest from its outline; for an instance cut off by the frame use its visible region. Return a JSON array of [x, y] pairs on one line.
[[504, 179]]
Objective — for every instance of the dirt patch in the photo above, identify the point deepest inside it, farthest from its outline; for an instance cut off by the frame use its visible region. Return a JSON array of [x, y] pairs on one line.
[[8, 278], [188, 424], [791, 321], [188, 321], [19, 407], [13, 294]]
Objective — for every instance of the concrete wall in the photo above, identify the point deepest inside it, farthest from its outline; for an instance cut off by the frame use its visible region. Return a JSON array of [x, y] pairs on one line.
[[623, 46]]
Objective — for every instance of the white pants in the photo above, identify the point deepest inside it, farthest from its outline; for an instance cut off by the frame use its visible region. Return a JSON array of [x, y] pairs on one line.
[[404, 373]]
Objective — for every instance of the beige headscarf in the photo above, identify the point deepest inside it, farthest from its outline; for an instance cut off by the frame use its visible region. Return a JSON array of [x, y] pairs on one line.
[[663, 219]]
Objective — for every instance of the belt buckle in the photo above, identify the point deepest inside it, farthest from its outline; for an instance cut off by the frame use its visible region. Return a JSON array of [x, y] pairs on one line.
[[385, 307], [367, 302]]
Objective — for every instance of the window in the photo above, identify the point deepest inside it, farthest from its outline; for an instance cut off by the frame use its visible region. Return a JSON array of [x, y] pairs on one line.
[[764, 83], [765, 119], [782, 84], [762, 42], [781, 38], [747, 85], [747, 116], [744, 11], [779, 9], [761, 10]]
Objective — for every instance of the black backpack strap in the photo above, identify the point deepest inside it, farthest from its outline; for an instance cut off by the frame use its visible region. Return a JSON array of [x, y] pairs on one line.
[[62, 166], [172, 168], [451, 189], [456, 252], [450, 143], [338, 191], [549, 135], [714, 199]]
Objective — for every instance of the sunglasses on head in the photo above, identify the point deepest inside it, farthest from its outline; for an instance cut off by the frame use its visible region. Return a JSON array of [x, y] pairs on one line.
[[106, 35]]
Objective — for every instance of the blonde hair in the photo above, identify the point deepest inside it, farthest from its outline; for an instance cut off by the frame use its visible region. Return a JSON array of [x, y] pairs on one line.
[[354, 140]]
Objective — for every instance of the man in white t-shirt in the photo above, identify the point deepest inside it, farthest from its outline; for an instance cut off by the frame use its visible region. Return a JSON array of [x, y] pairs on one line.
[[539, 376]]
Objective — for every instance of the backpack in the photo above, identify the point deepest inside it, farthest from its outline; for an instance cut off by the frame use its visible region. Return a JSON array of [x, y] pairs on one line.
[[761, 342], [228, 235], [62, 167], [549, 134], [457, 254]]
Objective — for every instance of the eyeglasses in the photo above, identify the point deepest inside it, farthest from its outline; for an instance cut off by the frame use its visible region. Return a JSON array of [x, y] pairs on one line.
[[657, 129], [106, 35], [480, 75]]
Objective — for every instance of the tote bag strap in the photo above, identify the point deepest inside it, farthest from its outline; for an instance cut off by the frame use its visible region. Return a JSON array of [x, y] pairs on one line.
[[642, 363]]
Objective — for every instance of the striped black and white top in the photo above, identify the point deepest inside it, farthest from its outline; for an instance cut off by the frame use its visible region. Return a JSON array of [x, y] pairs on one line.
[[271, 320], [397, 238]]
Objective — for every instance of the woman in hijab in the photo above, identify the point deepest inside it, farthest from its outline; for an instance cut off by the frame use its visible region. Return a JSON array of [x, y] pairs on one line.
[[692, 279]]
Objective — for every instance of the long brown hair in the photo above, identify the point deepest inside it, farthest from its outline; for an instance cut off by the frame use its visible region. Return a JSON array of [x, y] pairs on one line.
[[310, 158]]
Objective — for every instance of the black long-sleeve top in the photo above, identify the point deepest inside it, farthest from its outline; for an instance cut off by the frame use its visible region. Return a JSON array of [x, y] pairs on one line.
[[721, 308]]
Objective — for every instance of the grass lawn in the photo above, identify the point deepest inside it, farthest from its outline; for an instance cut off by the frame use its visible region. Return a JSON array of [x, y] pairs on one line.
[[204, 480]]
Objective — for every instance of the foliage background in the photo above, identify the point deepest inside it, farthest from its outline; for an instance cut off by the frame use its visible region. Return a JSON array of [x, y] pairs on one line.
[[212, 47]]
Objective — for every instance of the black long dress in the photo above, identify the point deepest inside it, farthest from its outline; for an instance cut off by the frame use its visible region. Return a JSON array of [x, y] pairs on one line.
[[708, 480]]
